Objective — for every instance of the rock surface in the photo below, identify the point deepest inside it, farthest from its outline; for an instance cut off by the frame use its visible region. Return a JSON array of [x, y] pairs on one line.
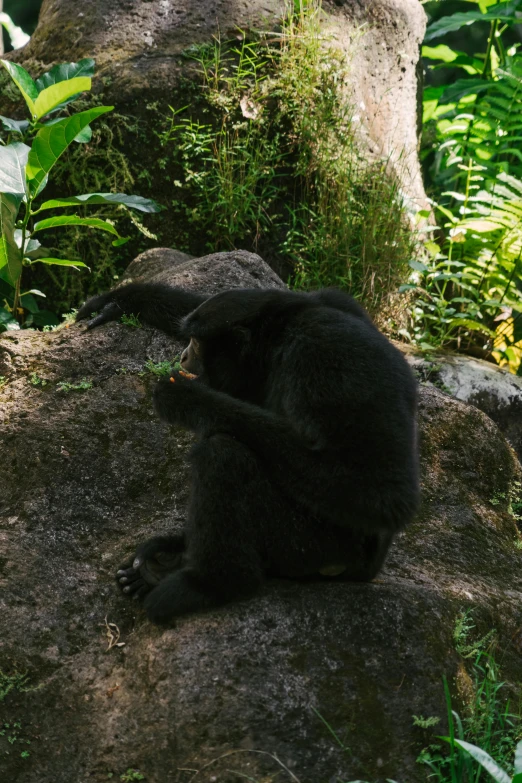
[[139, 51], [88, 474], [494, 390]]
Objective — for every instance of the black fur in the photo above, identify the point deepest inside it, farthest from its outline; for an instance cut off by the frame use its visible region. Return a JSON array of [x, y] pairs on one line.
[[307, 453]]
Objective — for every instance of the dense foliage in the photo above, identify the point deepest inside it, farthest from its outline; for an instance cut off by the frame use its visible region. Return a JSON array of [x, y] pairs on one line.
[[268, 160], [24, 173], [469, 292]]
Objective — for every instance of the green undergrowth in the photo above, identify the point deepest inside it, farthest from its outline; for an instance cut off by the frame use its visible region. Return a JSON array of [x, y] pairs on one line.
[[481, 743], [467, 291], [268, 160], [490, 722]]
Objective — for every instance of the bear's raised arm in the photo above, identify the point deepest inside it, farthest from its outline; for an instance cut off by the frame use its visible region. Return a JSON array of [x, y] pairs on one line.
[[155, 304]]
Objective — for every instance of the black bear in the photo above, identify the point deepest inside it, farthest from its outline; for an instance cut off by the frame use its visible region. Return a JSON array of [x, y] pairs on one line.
[[306, 461]]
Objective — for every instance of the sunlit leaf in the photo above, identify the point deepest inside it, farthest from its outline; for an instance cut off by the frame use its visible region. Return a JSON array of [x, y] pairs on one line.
[[418, 266], [65, 72], [75, 220], [24, 83], [133, 202], [61, 262], [84, 135], [473, 326], [57, 93], [440, 52], [13, 160], [504, 12], [518, 763]]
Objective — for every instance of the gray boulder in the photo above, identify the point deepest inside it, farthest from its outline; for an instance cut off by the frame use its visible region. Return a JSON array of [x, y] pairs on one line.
[[494, 390], [86, 474]]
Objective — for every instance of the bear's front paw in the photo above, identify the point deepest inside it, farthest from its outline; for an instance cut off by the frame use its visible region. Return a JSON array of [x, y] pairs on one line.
[[176, 398]]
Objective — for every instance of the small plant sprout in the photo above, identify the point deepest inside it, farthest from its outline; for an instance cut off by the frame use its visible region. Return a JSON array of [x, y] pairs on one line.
[[131, 320], [84, 385], [35, 380]]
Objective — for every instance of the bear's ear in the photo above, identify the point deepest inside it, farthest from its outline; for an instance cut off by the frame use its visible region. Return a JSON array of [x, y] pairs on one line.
[[224, 311]]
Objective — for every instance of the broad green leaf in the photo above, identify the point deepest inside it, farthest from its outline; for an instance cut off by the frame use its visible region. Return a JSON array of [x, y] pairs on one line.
[[504, 12], [43, 318], [10, 255], [57, 93], [24, 83], [13, 160], [463, 87], [485, 760], [51, 141], [440, 52], [446, 55], [65, 72], [6, 292], [75, 220], [481, 226], [418, 266], [433, 93], [15, 126], [83, 136], [134, 202], [29, 302], [60, 262], [473, 326], [518, 762]]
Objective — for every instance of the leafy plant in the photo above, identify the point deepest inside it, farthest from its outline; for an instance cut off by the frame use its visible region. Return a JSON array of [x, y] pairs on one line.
[[269, 160], [489, 729], [162, 368], [131, 320], [484, 759], [131, 775], [28, 152], [469, 293]]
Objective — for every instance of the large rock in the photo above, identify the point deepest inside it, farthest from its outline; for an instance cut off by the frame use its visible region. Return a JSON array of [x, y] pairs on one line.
[[494, 390], [140, 50], [88, 474]]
